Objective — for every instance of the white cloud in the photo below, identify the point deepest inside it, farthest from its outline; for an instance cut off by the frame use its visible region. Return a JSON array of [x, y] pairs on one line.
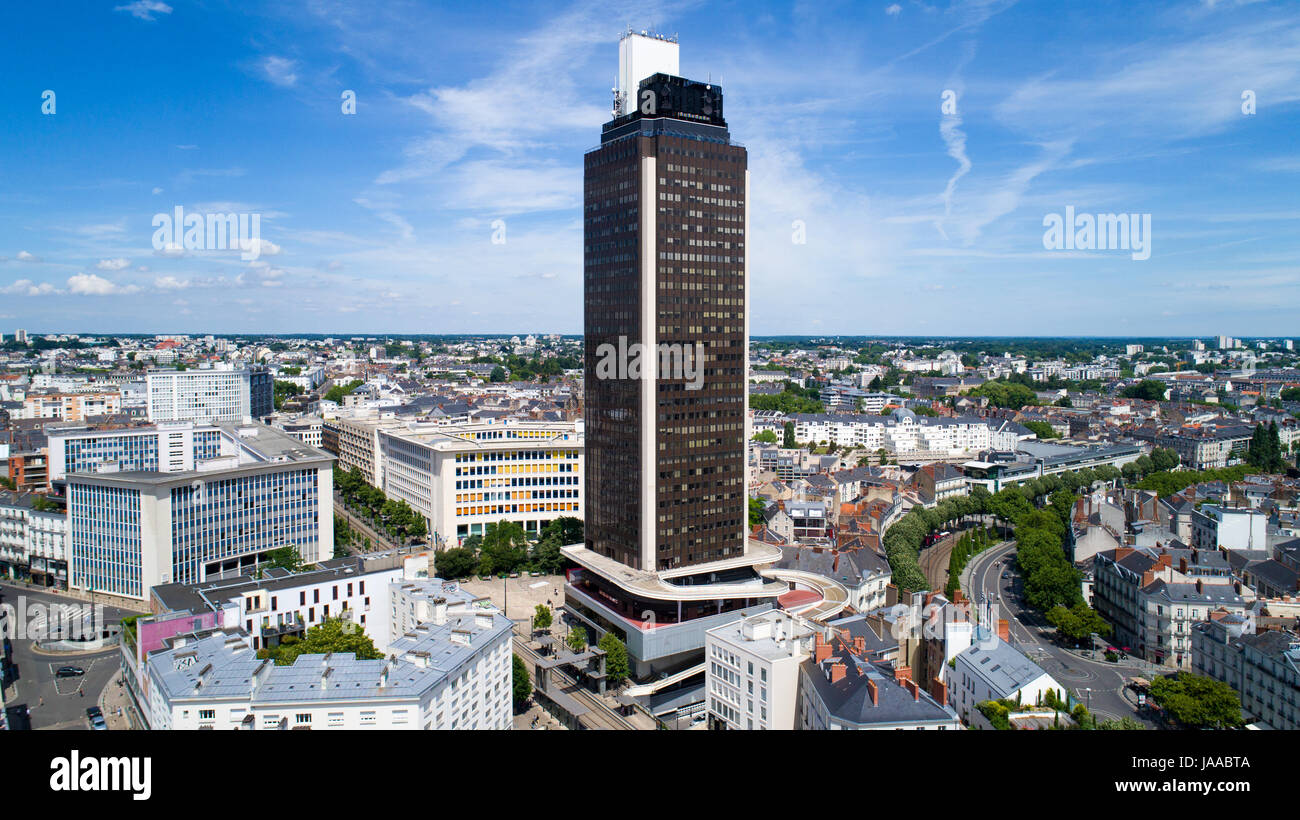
[[280, 70], [89, 284], [893, 10], [112, 264], [24, 256], [26, 287], [170, 283], [145, 9]]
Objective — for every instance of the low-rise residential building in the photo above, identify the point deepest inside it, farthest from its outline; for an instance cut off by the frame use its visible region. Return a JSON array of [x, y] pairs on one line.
[[1235, 528], [1152, 596], [33, 538], [841, 687], [1262, 666], [992, 669]]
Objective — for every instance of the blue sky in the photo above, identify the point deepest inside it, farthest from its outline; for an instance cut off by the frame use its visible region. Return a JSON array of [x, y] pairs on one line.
[[917, 221]]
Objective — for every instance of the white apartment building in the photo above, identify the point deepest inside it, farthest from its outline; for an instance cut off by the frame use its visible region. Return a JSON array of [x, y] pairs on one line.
[[992, 669], [463, 477], [280, 603], [308, 430], [450, 675], [208, 395], [751, 670], [1237, 529], [33, 540], [905, 432]]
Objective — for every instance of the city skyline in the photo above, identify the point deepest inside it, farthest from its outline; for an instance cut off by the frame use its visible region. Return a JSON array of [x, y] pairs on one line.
[[917, 219]]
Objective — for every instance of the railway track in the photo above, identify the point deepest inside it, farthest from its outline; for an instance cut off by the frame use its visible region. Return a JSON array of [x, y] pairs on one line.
[[599, 716]]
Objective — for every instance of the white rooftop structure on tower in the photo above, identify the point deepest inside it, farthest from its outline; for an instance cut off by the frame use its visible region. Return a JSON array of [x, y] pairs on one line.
[[639, 56]]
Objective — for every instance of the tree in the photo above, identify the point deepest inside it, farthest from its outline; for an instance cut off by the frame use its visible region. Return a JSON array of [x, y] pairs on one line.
[[338, 391], [577, 639], [1078, 622], [1265, 450], [756, 507], [1041, 429], [330, 635], [788, 441], [1197, 702], [566, 529], [766, 437], [542, 617], [498, 374], [1146, 390], [283, 391], [457, 562], [285, 558], [616, 668], [505, 547], [522, 687]]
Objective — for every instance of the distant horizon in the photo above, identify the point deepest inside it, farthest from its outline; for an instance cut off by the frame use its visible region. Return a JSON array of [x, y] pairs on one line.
[[348, 334]]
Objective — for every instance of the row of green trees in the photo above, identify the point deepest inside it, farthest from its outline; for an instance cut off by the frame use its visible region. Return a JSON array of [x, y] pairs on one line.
[[504, 548], [393, 516], [970, 544], [1168, 482]]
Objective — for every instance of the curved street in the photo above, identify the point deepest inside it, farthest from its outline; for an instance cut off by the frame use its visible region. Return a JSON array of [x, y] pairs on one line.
[[991, 577]]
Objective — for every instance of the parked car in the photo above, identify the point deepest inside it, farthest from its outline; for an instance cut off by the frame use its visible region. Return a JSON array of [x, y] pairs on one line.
[[69, 672], [96, 717]]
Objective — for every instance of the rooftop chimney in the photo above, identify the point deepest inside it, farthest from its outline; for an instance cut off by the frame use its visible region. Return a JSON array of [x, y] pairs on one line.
[[822, 648], [911, 686], [874, 691], [903, 673], [837, 672], [939, 691]]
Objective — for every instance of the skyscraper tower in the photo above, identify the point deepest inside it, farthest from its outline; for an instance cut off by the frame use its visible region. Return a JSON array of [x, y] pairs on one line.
[[664, 222]]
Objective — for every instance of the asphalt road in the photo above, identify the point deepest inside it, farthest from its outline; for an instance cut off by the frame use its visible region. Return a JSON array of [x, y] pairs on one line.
[[55, 703], [1099, 684]]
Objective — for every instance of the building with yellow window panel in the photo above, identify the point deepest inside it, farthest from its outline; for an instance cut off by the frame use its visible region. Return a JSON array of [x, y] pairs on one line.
[[463, 477]]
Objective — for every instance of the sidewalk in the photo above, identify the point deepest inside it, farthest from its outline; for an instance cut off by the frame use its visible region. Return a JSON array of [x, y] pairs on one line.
[[115, 704]]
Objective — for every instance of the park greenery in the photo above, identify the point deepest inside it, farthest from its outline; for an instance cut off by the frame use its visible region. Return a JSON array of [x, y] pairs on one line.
[[1197, 702], [338, 391], [1265, 451], [331, 635], [793, 399], [1146, 390], [285, 391], [504, 548], [1041, 429]]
